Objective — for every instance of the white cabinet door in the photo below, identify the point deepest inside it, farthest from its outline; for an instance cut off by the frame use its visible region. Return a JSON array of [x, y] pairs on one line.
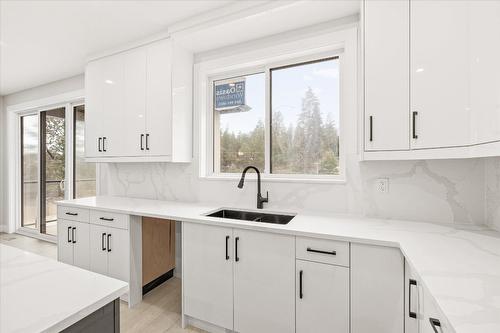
[[111, 85], [118, 244], [64, 243], [207, 273], [377, 296], [264, 282], [98, 249], [412, 301], [386, 51], [159, 98], [440, 79], [484, 18], [130, 121], [81, 245], [93, 109], [322, 298]]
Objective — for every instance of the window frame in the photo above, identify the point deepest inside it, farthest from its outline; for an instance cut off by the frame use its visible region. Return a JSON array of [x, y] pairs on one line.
[[212, 167]]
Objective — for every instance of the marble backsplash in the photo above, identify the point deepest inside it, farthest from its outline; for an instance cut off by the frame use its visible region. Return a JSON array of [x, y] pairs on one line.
[[440, 191]]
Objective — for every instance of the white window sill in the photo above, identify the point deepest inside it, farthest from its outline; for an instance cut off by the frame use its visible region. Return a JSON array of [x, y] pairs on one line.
[[279, 179]]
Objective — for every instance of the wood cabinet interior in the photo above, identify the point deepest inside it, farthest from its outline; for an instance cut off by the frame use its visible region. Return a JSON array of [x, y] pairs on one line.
[[158, 248]]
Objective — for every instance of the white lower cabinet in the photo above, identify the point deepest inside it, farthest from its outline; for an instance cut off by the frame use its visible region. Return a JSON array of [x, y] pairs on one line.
[[377, 295], [322, 298], [73, 243], [240, 280], [422, 315], [207, 273], [109, 251], [264, 282]]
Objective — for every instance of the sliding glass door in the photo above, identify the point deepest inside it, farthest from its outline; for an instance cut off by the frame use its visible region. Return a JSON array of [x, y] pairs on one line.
[[29, 172], [52, 166]]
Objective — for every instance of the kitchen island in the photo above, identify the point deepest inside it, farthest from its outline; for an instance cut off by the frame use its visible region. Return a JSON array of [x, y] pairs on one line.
[[39, 294]]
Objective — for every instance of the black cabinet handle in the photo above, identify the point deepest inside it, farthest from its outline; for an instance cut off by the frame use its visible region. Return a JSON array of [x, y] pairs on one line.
[[102, 241], [414, 128], [371, 128], [236, 249], [69, 231], [147, 141], [106, 219], [72, 214], [435, 323], [332, 253], [227, 247], [411, 314], [109, 247], [103, 143], [301, 294], [73, 233], [99, 144], [142, 138]]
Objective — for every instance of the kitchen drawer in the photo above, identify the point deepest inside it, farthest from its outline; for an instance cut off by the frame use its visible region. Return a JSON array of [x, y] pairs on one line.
[[73, 213], [323, 250], [109, 219]]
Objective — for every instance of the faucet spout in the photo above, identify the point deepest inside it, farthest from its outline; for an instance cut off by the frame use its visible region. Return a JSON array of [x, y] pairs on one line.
[[260, 199]]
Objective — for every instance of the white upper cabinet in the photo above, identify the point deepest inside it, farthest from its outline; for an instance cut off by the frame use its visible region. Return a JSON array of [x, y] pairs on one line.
[[386, 49], [439, 76], [139, 105], [484, 51], [453, 79]]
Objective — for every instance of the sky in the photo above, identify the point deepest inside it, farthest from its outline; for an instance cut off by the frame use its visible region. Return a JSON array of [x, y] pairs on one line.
[[288, 88]]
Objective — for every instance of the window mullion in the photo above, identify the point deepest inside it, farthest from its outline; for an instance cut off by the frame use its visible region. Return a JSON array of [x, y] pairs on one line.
[[267, 126]]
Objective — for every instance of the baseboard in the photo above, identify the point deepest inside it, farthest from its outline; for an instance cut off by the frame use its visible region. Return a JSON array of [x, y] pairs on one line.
[[156, 282]]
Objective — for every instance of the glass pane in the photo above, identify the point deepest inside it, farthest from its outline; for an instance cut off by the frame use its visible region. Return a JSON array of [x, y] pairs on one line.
[[53, 166], [29, 172], [240, 134], [305, 118], [85, 179]]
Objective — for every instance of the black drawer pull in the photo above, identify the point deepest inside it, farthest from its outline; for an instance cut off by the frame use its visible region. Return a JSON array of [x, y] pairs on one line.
[[109, 247], [72, 214], [332, 253], [227, 247], [414, 128], [102, 241], [301, 294], [371, 128], [69, 232], [103, 143], [435, 323], [142, 139], [106, 219], [147, 141], [411, 314], [73, 233], [99, 144], [236, 249]]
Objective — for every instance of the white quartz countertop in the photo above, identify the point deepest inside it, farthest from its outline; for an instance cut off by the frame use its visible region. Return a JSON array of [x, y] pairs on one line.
[[459, 266], [39, 294]]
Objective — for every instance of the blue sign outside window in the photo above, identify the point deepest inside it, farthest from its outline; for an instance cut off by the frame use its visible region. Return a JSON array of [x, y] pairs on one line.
[[229, 95]]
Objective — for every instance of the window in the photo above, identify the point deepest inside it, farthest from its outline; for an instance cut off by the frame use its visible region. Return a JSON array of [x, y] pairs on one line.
[[295, 131]]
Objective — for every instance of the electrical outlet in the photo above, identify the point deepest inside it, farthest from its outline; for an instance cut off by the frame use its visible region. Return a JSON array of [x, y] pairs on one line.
[[382, 185]]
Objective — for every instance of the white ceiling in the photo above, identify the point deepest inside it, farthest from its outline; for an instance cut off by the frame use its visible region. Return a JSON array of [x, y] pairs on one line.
[[44, 41]]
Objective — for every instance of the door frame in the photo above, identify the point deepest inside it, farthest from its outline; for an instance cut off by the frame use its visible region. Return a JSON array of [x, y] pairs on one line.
[[14, 114]]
